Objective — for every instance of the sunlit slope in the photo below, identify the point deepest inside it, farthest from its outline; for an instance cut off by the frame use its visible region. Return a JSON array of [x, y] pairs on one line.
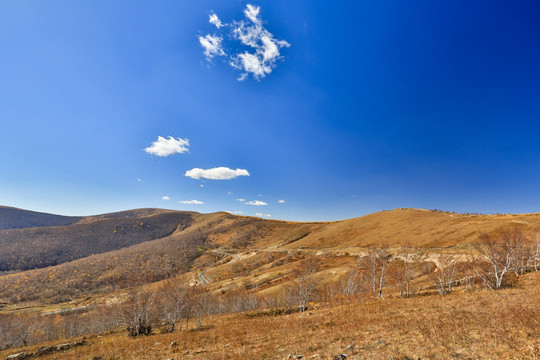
[[412, 227]]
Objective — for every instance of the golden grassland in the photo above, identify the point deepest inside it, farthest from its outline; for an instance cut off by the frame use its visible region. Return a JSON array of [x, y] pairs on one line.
[[502, 324]]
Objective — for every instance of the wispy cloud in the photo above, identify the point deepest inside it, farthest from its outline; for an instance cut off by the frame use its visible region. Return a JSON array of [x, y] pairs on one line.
[[217, 173], [256, 203], [235, 212], [139, 179], [240, 199], [214, 19], [191, 202], [212, 46], [165, 147], [165, 198], [263, 49], [263, 215], [281, 201]]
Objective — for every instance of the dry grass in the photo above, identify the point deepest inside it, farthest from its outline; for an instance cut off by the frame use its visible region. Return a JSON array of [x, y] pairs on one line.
[[481, 325]]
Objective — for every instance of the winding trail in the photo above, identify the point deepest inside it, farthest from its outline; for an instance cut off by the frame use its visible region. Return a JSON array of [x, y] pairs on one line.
[[202, 278], [234, 259]]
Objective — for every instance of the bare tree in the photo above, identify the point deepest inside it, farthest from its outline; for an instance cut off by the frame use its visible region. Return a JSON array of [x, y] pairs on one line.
[[304, 281], [137, 313], [443, 276], [376, 263], [15, 330], [351, 284], [173, 303], [499, 255], [402, 273], [536, 252], [199, 303]]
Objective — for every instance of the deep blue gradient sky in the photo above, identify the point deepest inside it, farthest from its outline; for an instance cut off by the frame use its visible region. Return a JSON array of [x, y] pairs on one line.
[[375, 105]]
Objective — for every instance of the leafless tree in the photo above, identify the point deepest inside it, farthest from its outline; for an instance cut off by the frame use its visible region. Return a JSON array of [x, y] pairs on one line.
[[173, 303], [351, 284], [15, 330], [304, 281], [403, 272], [499, 254], [536, 252], [198, 303], [137, 313], [375, 264], [443, 276], [524, 251]]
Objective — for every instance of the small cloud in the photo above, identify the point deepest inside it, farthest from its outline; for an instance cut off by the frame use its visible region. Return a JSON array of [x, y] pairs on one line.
[[165, 147], [214, 19], [235, 212], [165, 198], [217, 173], [256, 203], [240, 199], [281, 201], [212, 46], [139, 180], [263, 215], [229, 193], [191, 202], [201, 185]]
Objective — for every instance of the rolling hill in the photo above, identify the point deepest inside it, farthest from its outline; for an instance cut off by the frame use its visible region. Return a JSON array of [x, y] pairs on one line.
[[13, 218], [98, 253], [64, 281]]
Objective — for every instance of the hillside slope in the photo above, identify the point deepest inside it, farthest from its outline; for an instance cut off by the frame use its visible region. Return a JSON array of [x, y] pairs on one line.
[[13, 218], [38, 247], [118, 250]]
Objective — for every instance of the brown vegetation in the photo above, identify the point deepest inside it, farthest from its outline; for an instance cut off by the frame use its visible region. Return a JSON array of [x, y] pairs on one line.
[[325, 295]]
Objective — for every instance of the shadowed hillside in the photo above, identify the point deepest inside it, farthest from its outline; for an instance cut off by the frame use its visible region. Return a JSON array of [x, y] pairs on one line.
[[30, 248], [12, 218]]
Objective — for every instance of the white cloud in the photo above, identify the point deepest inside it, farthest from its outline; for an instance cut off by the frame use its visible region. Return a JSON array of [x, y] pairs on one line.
[[281, 201], [256, 203], [264, 53], [165, 198], [139, 180], [217, 173], [212, 46], [240, 199], [191, 202], [229, 192], [165, 147], [263, 215], [235, 212], [214, 19]]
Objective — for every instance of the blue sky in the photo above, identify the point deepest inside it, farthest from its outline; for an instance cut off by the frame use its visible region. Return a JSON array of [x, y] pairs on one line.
[[369, 105]]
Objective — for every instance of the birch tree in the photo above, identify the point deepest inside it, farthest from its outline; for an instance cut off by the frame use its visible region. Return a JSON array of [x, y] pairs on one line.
[[375, 264], [304, 281], [499, 255], [443, 276]]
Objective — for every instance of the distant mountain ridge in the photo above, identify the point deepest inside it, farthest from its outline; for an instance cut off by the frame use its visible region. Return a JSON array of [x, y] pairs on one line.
[[31, 240], [14, 218]]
